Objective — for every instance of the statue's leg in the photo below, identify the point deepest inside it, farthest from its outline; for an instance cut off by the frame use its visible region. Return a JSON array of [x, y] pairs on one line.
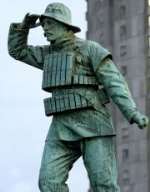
[[99, 157], [58, 158]]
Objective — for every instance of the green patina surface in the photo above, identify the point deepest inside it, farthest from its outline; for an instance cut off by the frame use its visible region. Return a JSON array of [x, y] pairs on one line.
[[82, 78]]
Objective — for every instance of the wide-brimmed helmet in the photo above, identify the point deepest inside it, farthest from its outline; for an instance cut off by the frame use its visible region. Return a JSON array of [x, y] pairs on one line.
[[61, 13]]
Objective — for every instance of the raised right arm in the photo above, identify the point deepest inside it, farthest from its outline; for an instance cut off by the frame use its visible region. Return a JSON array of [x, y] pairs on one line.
[[18, 48]]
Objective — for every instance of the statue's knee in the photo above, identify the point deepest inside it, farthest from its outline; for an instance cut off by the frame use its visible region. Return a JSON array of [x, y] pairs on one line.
[[103, 182], [46, 185]]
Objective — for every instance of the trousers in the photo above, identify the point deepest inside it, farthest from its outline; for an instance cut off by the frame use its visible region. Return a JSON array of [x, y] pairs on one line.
[[99, 157]]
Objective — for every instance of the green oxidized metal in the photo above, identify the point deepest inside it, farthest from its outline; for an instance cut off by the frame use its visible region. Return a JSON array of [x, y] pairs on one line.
[[59, 71], [61, 13], [82, 78]]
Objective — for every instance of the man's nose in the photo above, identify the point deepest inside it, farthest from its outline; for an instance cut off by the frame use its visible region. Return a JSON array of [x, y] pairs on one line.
[[45, 26]]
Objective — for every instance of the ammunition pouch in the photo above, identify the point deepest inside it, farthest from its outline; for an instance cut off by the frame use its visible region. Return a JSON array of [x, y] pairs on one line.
[[59, 71], [73, 101]]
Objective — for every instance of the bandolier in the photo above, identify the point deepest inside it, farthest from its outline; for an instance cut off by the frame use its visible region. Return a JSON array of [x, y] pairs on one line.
[[69, 76]]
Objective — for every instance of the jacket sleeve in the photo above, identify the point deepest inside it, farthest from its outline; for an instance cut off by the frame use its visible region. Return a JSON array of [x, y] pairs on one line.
[[113, 81], [18, 48]]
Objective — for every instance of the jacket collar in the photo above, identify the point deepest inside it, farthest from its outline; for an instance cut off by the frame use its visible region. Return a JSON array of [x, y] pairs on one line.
[[66, 42]]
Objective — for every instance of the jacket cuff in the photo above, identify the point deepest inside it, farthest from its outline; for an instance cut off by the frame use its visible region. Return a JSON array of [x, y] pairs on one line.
[[130, 116], [18, 27]]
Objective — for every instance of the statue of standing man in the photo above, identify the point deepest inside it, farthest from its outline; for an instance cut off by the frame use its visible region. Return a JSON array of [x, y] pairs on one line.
[[82, 78]]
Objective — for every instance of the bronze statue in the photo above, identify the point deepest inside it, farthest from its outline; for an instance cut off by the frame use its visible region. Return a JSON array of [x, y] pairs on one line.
[[82, 78]]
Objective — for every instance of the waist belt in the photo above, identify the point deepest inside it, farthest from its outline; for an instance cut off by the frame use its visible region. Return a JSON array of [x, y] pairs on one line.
[[73, 101], [58, 104]]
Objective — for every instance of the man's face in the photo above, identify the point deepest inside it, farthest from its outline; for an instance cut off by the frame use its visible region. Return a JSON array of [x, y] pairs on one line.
[[53, 29]]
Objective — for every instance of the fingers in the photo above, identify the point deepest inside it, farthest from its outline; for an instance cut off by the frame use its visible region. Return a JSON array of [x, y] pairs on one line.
[[34, 18], [25, 20], [36, 25], [29, 21], [26, 17], [143, 123], [34, 15]]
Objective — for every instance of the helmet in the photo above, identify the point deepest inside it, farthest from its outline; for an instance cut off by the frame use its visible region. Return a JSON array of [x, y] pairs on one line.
[[61, 13]]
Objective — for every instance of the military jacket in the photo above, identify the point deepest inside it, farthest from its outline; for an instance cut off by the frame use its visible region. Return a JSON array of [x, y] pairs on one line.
[[82, 77]]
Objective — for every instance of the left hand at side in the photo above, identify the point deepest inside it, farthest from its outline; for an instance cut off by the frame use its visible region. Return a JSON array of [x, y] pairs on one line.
[[141, 120]]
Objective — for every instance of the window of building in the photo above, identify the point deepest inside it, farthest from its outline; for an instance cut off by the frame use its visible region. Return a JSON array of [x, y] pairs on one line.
[[123, 32], [148, 2], [101, 35], [148, 20], [125, 177], [124, 70], [100, 20], [142, 88], [123, 50], [98, 5], [125, 154], [122, 12], [125, 133], [126, 189], [126, 181], [149, 41]]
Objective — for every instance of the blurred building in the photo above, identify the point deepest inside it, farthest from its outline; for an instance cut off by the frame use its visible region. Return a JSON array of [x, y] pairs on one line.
[[123, 26]]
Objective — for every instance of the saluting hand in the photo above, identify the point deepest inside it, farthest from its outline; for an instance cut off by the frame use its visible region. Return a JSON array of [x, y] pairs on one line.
[[30, 21]]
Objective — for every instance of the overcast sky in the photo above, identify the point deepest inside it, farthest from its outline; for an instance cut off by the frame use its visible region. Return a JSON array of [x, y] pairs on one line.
[[22, 120]]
